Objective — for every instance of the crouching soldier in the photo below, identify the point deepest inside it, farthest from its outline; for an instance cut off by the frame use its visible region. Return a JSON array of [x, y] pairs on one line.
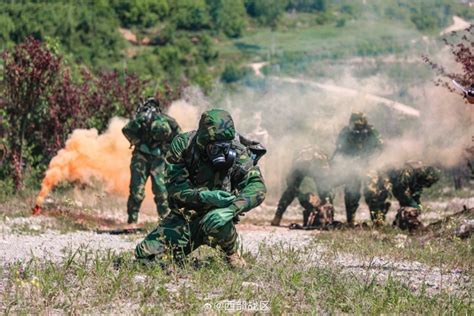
[[151, 133], [407, 187], [211, 180], [308, 181]]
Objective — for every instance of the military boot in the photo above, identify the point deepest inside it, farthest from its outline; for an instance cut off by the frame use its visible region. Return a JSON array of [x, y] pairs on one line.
[[132, 218], [235, 260], [276, 220]]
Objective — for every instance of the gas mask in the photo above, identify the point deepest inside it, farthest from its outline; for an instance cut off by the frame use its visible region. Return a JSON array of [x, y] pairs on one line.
[[359, 131], [221, 154]]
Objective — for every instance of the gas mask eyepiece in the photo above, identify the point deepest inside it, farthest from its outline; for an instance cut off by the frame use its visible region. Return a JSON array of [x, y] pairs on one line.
[[221, 154]]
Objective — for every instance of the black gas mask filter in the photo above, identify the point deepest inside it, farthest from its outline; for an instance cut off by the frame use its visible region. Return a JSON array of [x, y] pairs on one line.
[[221, 154]]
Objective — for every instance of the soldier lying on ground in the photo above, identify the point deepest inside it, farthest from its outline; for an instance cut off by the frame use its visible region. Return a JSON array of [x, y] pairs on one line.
[[309, 170], [151, 133], [211, 180]]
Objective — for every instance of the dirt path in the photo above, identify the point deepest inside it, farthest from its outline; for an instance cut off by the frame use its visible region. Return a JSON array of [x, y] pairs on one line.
[[397, 106], [458, 24]]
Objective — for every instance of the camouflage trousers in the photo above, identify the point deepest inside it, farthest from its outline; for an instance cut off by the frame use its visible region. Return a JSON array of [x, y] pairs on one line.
[[376, 194], [144, 166], [175, 237]]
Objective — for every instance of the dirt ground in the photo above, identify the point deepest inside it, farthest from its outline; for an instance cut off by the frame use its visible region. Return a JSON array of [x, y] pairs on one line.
[[44, 237]]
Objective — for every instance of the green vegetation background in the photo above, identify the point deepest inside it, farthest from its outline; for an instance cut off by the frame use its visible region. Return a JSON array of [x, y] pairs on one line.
[[200, 42]]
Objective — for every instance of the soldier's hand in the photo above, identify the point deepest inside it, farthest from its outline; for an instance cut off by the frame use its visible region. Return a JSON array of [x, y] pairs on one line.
[[217, 198], [216, 219]]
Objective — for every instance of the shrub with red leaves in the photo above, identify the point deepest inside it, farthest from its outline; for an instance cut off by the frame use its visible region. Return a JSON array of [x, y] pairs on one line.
[[42, 103], [461, 45]]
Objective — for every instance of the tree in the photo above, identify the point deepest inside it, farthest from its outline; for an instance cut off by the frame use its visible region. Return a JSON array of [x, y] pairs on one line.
[[267, 12], [190, 14], [143, 13], [29, 72], [461, 45], [228, 16], [42, 103]]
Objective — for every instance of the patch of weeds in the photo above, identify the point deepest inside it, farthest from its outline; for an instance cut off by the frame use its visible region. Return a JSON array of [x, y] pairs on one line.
[[452, 253], [279, 280]]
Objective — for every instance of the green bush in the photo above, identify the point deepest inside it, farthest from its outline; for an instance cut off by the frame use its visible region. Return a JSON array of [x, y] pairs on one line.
[[190, 14], [143, 13], [233, 73], [229, 16]]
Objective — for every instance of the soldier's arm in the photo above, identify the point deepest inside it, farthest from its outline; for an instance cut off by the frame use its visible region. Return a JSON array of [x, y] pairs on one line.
[[249, 183], [377, 141], [401, 190], [175, 129], [179, 187], [131, 131]]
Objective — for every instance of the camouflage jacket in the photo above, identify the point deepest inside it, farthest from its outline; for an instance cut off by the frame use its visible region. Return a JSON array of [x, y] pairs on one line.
[[360, 145], [408, 184], [154, 139], [310, 162], [189, 171]]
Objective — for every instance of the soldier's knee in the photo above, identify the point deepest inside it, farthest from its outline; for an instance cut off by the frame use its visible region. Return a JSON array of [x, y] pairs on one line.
[[137, 196], [221, 232]]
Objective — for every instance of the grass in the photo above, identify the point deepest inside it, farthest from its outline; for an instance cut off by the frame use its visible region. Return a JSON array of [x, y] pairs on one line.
[[445, 252], [90, 282], [289, 279]]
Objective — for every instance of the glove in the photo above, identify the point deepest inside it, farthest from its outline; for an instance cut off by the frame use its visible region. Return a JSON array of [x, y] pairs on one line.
[[216, 219], [217, 198]]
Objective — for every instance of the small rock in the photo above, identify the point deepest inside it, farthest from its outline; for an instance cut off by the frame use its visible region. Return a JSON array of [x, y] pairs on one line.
[[35, 227], [139, 278], [465, 229], [250, 285], [400, 240]]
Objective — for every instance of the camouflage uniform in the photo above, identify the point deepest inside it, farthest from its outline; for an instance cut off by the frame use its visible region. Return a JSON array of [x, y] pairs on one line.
[[358, 142], [407, 186], [308, 182], [151, 143], [189, 173]]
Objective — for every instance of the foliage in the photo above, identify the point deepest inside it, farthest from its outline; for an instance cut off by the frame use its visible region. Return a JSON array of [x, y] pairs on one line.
[[233, 73], [307, 5], [142, 13], [42, 103], [267, 12], [29, 72], [190, 14], [87, 29], [462, 49], [228, 16]]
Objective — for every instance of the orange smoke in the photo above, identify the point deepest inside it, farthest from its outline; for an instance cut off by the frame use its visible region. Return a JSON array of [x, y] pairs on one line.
[[87, 156], [106, 158]]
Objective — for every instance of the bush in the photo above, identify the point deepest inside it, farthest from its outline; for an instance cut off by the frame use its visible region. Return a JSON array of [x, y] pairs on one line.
[[42, 104], [307, 5], [142, 13], [190, 14], [228, 16], [233, 73], [267, 12]]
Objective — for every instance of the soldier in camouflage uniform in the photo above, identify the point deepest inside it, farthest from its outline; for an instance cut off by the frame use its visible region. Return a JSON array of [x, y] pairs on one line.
[[357, 143], [151, 133], [211, 180], [407, 186], [308, 180]]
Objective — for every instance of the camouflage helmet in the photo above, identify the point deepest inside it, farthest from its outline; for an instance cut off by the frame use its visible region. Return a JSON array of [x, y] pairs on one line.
[[357, 120], [215, 125]]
